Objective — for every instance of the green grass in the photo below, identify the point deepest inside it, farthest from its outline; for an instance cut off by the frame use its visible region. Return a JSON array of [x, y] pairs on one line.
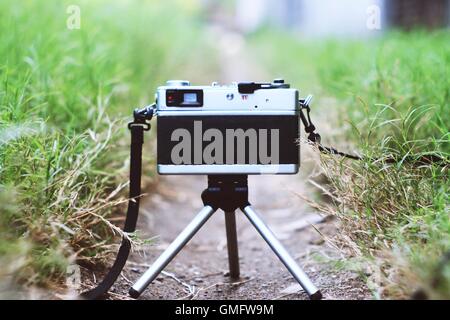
[[65, 97], [390, 99]]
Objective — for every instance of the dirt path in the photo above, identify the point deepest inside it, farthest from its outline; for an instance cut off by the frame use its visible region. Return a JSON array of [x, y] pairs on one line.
[[200, 270]]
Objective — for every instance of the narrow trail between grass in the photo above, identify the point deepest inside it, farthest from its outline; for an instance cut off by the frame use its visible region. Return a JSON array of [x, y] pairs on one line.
[[200, 270]]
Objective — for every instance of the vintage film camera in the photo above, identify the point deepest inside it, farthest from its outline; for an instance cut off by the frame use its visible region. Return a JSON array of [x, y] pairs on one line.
[[226, 133], [243, 128]]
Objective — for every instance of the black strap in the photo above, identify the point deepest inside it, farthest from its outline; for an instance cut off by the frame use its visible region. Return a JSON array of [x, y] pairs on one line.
[[315, 139], [137, 139]]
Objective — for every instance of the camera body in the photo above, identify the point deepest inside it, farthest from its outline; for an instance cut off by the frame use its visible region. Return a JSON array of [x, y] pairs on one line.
[[240, 129]]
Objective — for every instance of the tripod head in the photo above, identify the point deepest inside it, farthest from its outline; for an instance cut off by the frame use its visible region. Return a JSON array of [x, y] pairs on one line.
[[226, 192]]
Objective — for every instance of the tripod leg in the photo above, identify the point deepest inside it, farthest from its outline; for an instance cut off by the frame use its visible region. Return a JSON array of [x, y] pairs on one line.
[[170, 253], [233, 251], [282, 254]]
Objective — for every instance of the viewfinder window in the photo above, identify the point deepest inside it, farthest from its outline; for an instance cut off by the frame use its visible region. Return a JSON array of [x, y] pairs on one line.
[[184, 98], [190, 98]]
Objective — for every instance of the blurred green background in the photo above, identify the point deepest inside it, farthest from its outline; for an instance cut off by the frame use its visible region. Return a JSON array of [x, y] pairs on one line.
[[71, 72]]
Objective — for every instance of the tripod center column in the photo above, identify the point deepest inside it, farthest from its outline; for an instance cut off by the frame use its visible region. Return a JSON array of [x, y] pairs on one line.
[[232, 243]]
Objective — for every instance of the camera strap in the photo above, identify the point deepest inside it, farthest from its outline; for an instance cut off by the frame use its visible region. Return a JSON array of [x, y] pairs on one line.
[[137, 129], [315, 139]]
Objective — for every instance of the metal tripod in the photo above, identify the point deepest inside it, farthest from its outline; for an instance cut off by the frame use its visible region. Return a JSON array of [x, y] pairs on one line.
[[229, 193]]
